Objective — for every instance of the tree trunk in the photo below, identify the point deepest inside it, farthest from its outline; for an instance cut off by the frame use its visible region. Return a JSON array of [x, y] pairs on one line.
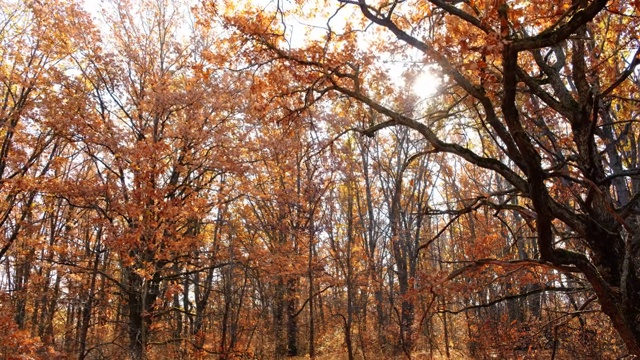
[[88, 307], [292, 321], [278, 320], [141, 296]]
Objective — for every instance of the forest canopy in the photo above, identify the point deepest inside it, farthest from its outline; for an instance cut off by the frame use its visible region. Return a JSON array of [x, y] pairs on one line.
[[329, 179]]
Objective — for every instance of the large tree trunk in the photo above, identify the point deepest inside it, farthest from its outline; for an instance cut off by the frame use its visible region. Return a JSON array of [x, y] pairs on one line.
[[140, 298]]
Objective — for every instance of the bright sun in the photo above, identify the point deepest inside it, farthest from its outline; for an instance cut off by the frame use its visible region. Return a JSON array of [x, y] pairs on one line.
[[426, 84]]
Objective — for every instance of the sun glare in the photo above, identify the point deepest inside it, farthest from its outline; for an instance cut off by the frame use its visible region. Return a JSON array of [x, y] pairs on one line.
[[426, 84]]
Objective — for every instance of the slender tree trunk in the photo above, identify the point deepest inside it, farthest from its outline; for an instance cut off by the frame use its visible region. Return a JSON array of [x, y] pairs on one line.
[[227, 296], [312, 348], [278, 320], [347, 332], [88, 304], [445, 326], [22, 277], [292, 321]]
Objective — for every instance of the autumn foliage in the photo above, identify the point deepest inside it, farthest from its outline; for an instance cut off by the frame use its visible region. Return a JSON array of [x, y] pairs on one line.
[[326, 179]]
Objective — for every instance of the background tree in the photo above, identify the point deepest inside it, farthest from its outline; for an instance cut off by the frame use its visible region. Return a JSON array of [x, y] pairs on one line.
[[160, 151]]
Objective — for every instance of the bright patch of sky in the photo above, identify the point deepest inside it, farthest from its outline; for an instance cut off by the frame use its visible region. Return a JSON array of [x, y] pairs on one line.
[[309, 24], [312, 22]]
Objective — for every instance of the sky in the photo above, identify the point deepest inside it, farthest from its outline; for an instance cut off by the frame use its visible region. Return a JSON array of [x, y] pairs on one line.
[[310, 24]]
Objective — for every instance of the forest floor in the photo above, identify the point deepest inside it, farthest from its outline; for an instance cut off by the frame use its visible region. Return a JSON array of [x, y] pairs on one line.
[[422, 355]]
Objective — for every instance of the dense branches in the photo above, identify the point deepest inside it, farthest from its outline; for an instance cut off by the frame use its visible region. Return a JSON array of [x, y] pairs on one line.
[[182, 180]]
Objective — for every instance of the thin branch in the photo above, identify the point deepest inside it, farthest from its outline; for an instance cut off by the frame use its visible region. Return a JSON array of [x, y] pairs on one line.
[[527, 262], [512, 297], [625, 74]]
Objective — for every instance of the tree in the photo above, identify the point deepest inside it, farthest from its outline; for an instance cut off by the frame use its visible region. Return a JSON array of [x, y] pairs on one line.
[[37, 46], [158, 142], [284, 192], [32, 62], [552, 85]]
